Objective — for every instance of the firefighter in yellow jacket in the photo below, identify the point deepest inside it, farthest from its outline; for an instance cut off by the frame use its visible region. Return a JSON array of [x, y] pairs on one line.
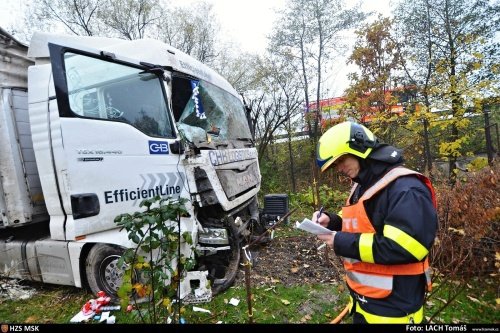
[[386, 228]]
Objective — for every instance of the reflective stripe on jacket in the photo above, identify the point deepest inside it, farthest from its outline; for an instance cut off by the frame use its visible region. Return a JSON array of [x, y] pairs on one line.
[[365, 276], [411, 318]]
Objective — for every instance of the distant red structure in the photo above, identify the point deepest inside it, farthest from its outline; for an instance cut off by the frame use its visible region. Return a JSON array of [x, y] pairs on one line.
[[329, 110], [332, 109]]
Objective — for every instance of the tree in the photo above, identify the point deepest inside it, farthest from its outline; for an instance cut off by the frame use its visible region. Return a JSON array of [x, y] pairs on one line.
[[464, 27], [80, 17], [241, 69], [413, 27], [130, 19], [275, 102], [376, 54], [193, 30], [462, 62], [310, 32], [287, 82]]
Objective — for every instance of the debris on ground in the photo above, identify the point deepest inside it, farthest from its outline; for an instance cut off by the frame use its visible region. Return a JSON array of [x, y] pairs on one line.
[[198, 309], [234, 301], [96, 309], [12, 289]]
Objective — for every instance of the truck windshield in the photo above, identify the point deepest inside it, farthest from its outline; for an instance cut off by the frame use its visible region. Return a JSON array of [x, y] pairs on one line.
[[211, 112]]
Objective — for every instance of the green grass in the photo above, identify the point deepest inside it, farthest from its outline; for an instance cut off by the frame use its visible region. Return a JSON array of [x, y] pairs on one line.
[[51, 304], [273, 304], [476, 303]]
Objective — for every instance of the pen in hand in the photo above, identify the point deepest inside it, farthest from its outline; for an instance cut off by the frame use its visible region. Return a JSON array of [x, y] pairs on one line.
[[319, 214]]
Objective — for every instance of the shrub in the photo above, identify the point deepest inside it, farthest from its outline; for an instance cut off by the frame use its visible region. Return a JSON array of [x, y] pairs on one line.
[[154, 269], [468, 239], [331, 199]]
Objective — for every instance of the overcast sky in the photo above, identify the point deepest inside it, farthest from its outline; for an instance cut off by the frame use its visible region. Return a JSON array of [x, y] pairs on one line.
[[250, 21], [247, 22]]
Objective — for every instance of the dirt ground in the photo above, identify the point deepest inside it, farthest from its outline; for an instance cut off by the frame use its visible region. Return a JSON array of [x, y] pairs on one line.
[[292, 261]]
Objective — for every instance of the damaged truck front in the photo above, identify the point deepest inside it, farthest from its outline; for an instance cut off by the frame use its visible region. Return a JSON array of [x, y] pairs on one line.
[[101, 125]]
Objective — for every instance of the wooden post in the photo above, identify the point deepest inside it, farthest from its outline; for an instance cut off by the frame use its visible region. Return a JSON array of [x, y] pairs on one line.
[[248, 265]]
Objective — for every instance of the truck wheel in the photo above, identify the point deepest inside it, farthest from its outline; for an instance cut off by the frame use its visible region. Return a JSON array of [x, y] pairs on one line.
[[230, 262], [103, 273]]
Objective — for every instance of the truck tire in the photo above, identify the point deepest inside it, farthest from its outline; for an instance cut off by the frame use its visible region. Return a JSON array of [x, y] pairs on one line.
[[230, 260], [101, 268]]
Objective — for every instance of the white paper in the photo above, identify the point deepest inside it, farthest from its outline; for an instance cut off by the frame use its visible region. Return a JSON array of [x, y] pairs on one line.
[[79, 317], [104, 316], [234, 301], [197, 309], [314, 228]]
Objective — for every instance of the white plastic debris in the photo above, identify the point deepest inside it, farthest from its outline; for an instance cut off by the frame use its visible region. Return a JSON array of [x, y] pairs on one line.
[[13, 290], [197, 309], [104, 316], [234, 301], [80, 317]]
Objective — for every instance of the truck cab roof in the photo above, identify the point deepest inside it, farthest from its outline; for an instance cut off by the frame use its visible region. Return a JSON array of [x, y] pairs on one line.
[[133, 51]]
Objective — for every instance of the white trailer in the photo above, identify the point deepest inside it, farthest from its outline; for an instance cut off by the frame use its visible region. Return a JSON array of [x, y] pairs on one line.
[[90, 127]]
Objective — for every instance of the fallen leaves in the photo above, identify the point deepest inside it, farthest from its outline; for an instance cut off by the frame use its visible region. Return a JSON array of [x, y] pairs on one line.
[[461, 232], [293, 261], [475, 300], [286, 302]]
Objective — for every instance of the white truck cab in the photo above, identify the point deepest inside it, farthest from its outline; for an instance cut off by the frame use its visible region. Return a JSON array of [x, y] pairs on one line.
[[104, 124]]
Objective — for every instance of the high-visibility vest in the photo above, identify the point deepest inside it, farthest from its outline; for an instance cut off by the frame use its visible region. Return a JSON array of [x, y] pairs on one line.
[[364, 276]]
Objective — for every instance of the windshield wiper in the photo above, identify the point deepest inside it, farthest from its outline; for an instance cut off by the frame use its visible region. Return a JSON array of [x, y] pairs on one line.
[[245, 139], [249, 140], [221, 144]]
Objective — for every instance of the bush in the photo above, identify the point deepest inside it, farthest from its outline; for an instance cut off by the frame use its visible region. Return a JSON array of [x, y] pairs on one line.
[[468, 239], [332, 200], [155, 268]]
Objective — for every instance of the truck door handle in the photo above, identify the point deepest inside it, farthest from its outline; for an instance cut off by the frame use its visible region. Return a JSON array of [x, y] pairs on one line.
[[84, 205]]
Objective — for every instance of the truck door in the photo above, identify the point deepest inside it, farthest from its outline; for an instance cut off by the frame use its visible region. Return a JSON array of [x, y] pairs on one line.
[[116, 130]]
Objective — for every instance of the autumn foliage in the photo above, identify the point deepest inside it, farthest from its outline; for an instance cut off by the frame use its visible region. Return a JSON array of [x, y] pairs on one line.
[[468, 239]]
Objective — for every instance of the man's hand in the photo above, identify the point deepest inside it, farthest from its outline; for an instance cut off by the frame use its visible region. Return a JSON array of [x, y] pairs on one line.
[[328, 238], [322, 219]]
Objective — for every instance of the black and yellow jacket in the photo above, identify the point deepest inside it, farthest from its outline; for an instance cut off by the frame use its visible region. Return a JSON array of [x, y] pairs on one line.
[[400, 230]]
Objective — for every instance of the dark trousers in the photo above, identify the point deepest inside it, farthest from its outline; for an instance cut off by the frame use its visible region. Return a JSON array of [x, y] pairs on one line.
[[358, 318]]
